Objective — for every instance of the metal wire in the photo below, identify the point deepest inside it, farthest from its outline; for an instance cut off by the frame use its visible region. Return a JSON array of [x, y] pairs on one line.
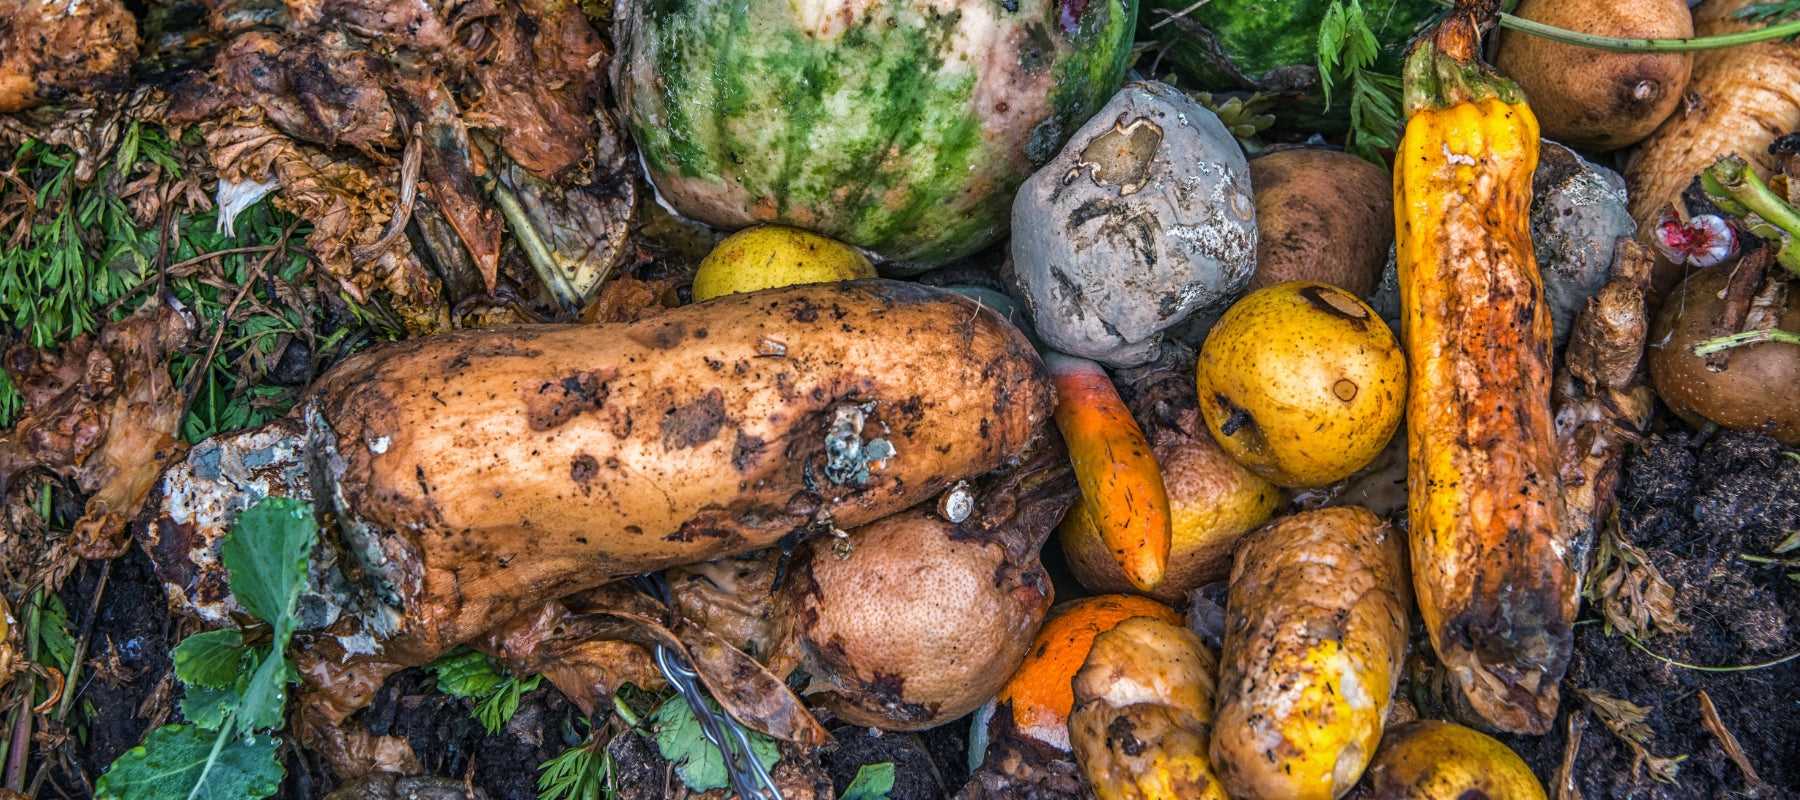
[[750, 782]]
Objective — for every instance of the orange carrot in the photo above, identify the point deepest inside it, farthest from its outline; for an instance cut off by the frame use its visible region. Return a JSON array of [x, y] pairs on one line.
[[1040, 694], [1121, 484]]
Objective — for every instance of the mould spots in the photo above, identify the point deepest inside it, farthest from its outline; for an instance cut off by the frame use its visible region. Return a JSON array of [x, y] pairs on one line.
[[694, 424], [584, 468], [549, 404]]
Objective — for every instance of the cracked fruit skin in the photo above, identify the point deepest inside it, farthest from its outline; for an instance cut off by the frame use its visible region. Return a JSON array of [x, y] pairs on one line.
[[900, 128], [772, 256], [1302, 383]]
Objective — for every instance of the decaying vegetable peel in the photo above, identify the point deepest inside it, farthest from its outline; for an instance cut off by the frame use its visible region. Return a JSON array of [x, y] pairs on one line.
[[1495, 578], [51, 49], [500, 98], [102, 413], [475, 476], [1143, 713]]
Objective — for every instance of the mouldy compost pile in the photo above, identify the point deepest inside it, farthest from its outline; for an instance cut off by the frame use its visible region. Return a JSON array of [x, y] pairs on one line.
[[1052, 400]]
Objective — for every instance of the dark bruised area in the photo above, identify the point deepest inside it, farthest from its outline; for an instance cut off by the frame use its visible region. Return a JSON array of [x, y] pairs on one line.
[[1120, 735], [1337, 304], [553, 402], [695, 423]]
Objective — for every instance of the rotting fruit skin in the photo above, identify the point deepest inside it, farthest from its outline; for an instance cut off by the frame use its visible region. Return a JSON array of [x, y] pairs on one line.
[[1302, 383], [1039, 693], [1490, 548], [1315, 634], [1431, 760], [923, 619], [1143, 713], [478, 474]]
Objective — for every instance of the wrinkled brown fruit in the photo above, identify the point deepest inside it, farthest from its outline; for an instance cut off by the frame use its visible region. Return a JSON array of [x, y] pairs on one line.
[[913, 620]]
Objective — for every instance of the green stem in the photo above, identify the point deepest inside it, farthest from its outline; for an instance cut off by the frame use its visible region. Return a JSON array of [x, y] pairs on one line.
[[1673, 662], [1735, 175], [1723, 343], [537, 251], [1619, 45], [212, 758]]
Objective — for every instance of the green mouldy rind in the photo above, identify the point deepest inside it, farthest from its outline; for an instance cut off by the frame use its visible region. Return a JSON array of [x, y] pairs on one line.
[[899, 128]]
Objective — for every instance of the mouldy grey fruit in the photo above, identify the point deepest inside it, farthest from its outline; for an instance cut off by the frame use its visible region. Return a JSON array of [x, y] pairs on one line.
[[1578, 213], [1145, 219]]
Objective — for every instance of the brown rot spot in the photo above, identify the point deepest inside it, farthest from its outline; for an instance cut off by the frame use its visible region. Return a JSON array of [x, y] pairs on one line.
[[1238, 418], [1345, 389], [663, 335], [746, 451], [1121, 156], [1336, 303], [584, 469], [694, 424], [551, 403], [1121, 733], [1473, 794]]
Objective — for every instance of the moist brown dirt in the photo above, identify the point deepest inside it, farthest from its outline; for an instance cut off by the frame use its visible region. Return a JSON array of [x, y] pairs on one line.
[[1697, 505]]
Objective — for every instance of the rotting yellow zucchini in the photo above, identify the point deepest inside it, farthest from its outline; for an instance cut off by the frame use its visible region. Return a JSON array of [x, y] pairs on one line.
[[1491, 560], [1315, 635], [475, 475], [1143, 714]]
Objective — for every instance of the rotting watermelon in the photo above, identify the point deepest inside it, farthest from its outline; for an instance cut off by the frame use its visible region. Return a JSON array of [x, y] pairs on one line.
[[902, 128]]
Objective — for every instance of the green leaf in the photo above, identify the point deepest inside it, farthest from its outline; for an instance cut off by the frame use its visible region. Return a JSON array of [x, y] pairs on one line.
[[266, 554], [212, 659], [53, 631], [872, 782], [208, 707], [466, 673], [577, 774], [499, 707], [265, 697], [697, 762], [179, 762]]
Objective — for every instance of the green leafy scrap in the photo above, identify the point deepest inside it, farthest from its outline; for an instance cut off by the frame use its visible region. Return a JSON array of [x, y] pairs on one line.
[[579, 773], [1347, 53], [232, 690], [181, 762], [1769, 12], [872, 782], [212, 660], [700, 765], [496, 709], [53, 632], [467, 674]]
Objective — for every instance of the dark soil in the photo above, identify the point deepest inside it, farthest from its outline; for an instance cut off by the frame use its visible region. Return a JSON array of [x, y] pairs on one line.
[[1695, 505], [450, 743], [126, 685]]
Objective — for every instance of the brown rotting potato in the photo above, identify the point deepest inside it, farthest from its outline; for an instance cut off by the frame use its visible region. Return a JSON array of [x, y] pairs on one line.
[[914, 620], [1315, 635], [1754, 389], [1321, 215], [1593, 99]]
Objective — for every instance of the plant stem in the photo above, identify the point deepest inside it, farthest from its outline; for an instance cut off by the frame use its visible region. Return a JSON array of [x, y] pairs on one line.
[[1619, 45], [212, 758], [1727, 342], [1673, 662]]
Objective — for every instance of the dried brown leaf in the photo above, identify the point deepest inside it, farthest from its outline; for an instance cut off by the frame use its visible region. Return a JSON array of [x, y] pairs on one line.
[[1709, 714], [1628, 589], [1628, 721]]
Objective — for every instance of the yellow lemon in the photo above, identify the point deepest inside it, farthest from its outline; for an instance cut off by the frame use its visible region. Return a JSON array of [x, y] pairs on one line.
[[770, 256]]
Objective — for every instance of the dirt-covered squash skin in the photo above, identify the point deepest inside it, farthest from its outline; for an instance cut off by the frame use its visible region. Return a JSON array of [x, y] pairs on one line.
[[1315, 636], [903, 128], [1490, 553], [478, 473]]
